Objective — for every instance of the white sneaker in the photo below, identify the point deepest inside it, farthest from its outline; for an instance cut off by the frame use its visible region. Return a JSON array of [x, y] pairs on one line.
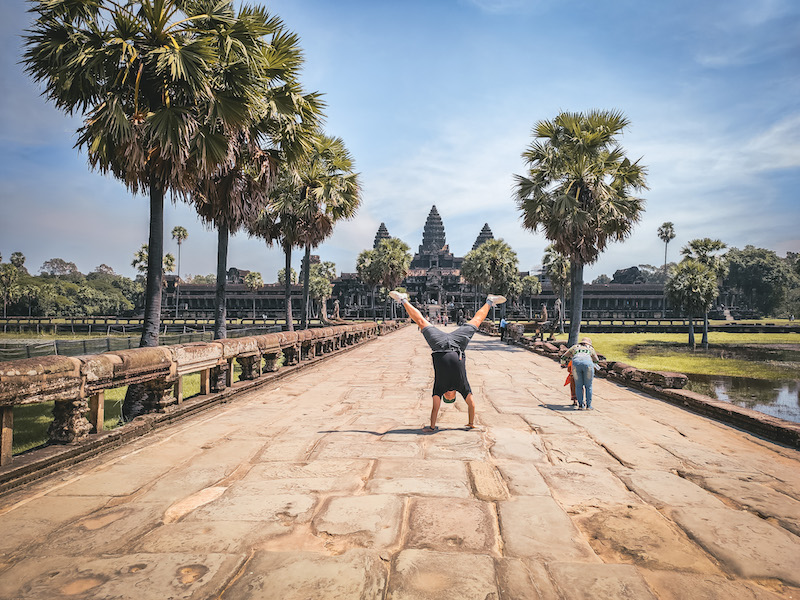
[[398, 296], [495, 300]]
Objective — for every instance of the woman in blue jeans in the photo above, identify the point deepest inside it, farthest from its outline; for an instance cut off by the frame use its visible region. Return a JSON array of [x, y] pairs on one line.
[[584, 362]]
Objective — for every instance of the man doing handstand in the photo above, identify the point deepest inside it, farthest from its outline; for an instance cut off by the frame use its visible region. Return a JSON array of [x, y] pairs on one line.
[[449, 360]]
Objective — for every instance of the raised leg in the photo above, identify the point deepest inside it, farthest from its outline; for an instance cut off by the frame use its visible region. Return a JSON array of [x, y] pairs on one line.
[[415, 315], [482, 313]]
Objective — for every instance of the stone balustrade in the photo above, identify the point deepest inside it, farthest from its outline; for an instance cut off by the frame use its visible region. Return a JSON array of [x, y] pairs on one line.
[[77, 385]]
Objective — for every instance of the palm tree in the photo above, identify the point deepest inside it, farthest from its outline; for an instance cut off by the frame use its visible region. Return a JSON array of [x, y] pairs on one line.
[[703, 251], [369, 272], [393, 260], [253, 282], [148, 76], [329, 191], [141, 261], [179, 234], [493, 266], [557, 268], [692, 287], [578, 190], [666, 233], [9, 275]]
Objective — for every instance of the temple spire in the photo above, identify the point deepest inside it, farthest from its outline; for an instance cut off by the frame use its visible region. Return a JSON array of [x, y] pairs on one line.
[[433, 237], [382, 234], [484, 236]]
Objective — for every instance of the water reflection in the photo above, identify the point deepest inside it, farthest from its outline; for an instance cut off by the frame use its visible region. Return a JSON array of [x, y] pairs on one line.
[[779, 398]]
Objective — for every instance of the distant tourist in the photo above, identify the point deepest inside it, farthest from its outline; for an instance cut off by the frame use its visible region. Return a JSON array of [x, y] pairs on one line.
[[503, 325], [584, 361], [449, 360]]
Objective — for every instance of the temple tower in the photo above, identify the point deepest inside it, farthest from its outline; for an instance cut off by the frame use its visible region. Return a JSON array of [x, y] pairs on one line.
[[484, 236], [382, 234], [433, 238]]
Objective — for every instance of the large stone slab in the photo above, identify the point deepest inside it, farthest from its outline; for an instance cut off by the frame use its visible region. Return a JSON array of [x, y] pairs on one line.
[[428, 575], [487, 482], [109, 530], [600, 582], [662, 489], [758, 498], [126, 577], [523, 479], [305, 575], [640, 535], [513, 444], [226, 537], [577, 449], [537, 527], [743, 543], [577, 485], [453, 525], [672, 585], [40, 516], [287, 509], [363, 521]]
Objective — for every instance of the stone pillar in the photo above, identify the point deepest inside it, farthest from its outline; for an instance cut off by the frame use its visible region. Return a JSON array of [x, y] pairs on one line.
[[97, 410], [271, 361], [251, 367], [219, 377], [69, 423], [6, 434], [159, 395]]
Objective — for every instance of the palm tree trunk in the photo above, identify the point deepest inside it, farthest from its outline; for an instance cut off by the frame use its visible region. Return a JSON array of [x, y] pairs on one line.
[[576, 309], [306, 278], [137, 397], [704, 341], [152, 308], [220, 329], [178, 281], [563, 310], [287, 276], [691, 333]]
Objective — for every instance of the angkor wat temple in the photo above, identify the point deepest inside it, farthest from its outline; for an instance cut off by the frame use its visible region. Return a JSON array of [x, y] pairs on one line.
[[434, 283]]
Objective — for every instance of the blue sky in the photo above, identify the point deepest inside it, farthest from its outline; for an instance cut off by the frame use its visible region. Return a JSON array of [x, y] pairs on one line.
[[436, 100]]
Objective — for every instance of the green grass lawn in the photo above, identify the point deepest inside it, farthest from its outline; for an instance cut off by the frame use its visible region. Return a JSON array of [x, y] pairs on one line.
[[670, 352]]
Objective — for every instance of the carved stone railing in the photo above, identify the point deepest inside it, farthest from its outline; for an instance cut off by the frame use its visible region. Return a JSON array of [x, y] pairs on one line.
[[77, 385]]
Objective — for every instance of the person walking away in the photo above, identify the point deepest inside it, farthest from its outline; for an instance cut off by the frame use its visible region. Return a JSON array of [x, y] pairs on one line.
[[448, 355], [503, 325], [584, 362]]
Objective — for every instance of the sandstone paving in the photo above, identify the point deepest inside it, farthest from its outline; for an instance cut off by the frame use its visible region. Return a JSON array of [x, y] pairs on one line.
[[744, 543], [322, 485]]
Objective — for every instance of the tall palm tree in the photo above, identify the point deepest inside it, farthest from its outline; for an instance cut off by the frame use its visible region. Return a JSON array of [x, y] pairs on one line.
[[146, 75], [494, 266], [578, 190], [692, 287], [666, 233], [179, 234], [531, 286], [369, 272], [393, 260], [705, 252], [557, 268], [329, 191]]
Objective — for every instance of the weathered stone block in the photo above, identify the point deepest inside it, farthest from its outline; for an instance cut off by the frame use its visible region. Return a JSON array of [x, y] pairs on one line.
[[42, 379]]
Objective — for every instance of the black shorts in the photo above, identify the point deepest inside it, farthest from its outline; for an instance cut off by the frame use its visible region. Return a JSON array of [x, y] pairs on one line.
[[450, 373]]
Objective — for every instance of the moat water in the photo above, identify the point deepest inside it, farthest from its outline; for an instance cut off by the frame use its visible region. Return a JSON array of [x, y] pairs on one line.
[[779, 398]]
